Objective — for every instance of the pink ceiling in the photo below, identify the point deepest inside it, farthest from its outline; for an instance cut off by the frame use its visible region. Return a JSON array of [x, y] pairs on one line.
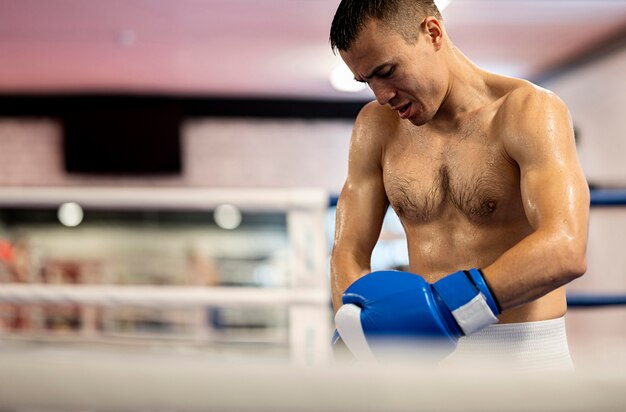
[[259, 47]]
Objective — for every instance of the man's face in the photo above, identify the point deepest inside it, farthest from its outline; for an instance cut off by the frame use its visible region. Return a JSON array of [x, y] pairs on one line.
[[407, 77]]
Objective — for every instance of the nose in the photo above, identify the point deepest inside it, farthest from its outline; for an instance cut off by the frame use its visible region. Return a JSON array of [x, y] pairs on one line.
[[384, 94]]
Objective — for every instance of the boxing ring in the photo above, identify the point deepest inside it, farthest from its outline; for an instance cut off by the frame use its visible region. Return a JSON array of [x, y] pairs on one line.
[[600, 199], [84, 377]]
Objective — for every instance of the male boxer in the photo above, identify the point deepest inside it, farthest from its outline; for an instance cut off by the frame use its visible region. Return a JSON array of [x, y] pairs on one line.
[[483, 173]]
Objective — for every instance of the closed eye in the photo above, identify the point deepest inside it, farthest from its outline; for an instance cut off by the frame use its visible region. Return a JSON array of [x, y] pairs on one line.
[[386, 74]]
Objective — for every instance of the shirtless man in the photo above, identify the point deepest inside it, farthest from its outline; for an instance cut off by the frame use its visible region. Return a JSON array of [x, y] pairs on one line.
[[483, 173]]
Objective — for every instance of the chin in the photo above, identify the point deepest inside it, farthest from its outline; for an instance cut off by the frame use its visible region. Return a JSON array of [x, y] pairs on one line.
[[418, 120]]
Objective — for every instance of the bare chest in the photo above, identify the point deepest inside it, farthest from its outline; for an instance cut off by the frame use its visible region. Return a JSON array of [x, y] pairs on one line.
[[426, 180]]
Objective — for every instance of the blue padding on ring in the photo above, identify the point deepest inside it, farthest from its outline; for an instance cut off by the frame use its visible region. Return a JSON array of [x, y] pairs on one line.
[[578, 300]]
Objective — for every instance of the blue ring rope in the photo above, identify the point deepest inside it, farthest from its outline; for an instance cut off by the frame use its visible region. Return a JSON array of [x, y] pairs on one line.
[[580, 300], [599, 197], [608, 197]]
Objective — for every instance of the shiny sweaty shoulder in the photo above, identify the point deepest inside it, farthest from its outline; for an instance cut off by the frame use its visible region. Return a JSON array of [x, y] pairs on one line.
[[372, 127], [374, 124], [430, 176], [526, 110]]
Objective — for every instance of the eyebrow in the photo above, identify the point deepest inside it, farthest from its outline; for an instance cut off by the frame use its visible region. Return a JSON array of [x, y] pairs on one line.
[[373, 73]]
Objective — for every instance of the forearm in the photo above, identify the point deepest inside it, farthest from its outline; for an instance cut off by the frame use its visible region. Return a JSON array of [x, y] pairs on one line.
[[537, 265], [345, 268]]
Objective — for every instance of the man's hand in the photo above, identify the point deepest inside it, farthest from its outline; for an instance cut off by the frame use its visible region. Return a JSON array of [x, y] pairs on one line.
[[388, 306]]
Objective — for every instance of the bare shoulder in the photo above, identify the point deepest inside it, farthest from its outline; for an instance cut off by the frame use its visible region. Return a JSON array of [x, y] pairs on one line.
[[531, 116], [373, 126], [374, 119], [527, 104]]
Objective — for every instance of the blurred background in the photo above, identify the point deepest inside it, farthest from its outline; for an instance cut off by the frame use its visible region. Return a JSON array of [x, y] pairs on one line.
[[125, 125]]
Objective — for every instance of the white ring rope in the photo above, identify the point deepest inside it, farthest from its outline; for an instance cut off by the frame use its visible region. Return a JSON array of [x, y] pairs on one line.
[[166, 198], [160, 296]]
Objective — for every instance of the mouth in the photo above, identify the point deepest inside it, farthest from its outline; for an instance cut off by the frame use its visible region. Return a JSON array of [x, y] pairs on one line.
[[404, 111]]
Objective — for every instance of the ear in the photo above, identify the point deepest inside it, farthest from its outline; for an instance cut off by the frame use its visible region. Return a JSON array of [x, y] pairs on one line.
[[434, 30]]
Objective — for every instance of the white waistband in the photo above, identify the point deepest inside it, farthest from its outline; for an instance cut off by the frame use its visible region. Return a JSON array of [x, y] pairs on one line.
[[519, 346], [543, 331]]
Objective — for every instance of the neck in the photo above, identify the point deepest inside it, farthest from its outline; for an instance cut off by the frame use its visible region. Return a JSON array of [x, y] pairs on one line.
[[467, 88]]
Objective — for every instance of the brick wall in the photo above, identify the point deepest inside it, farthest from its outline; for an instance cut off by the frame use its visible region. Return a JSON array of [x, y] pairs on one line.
[[216, 153]]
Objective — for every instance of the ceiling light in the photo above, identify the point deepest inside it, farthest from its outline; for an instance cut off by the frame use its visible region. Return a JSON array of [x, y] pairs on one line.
[[442, 4], [127, 37], [342, 79], [227, 217], [70, 214]]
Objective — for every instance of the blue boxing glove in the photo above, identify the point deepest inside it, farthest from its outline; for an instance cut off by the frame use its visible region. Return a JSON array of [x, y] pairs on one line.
[[397, 305]]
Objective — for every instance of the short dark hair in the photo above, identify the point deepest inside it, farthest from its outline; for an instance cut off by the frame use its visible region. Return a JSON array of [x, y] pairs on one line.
[[400, 15]]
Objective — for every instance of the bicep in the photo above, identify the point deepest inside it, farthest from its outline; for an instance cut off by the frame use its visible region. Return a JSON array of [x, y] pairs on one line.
[[553, 187], [360, 214], [363, 202]]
